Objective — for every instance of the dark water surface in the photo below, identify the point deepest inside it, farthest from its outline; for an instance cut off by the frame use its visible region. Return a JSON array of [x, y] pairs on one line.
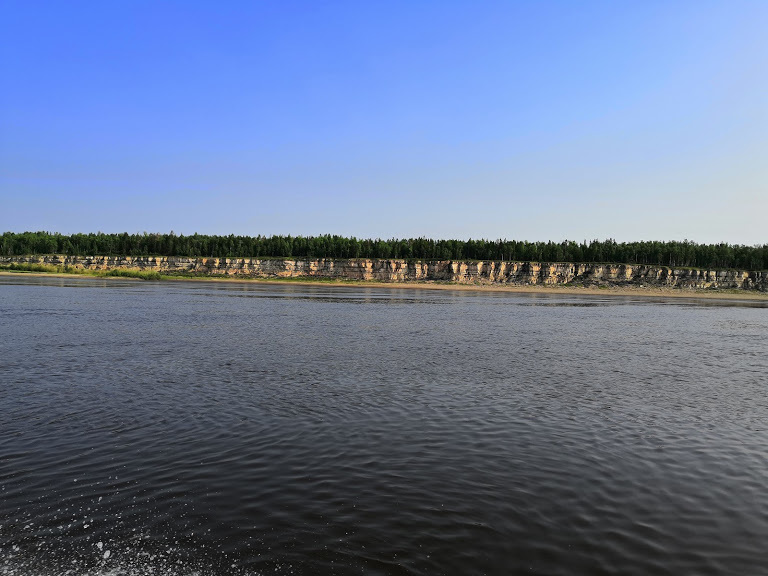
[[201, 428]]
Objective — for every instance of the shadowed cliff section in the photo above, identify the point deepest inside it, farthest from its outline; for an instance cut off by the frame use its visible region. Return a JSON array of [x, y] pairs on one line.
[[394, 270]]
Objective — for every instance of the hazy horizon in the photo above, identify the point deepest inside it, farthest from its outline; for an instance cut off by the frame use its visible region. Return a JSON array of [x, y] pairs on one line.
[[526, 121]]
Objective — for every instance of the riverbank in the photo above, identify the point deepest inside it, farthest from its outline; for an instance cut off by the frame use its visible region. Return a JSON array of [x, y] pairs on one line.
[[603, 291], [731, 294], [455, 272]]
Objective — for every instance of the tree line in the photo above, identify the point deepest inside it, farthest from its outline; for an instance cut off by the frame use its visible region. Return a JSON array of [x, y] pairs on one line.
[[674, 253]]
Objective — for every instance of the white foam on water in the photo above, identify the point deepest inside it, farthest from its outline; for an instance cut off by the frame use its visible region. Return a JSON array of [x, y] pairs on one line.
[[138, 569], [127, 561]]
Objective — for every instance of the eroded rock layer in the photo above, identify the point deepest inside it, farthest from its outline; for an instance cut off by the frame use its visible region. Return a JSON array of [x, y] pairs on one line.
[[487, 272]]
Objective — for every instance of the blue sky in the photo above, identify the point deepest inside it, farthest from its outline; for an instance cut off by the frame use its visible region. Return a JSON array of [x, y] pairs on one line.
[[522, 120]]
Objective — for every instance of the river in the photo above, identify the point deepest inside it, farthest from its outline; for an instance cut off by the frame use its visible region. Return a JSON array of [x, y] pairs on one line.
[[180, 428]]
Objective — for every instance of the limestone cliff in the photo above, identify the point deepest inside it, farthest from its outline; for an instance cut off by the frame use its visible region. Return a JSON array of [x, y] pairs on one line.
[[487, 272]]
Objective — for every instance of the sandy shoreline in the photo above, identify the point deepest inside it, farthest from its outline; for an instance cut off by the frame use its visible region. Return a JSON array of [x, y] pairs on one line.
[[635, 291]]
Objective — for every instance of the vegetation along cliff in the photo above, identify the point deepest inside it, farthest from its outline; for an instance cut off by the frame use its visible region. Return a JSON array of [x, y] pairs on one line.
[[671, 254], [671, 264]]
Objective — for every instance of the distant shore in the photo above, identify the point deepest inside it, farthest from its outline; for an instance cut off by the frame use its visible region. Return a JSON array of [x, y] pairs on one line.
[[481, 274], [635, 291]]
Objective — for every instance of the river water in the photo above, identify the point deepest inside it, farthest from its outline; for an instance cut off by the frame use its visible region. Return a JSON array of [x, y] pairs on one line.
[[208, 428]]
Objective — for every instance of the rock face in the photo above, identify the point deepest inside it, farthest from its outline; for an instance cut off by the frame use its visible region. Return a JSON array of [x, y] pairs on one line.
[[487, 272]]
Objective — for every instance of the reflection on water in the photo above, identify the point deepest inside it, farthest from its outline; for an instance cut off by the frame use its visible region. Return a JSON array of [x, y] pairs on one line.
[[211, 428]]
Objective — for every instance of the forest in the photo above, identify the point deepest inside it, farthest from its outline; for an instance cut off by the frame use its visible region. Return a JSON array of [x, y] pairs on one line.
[[670, 253]]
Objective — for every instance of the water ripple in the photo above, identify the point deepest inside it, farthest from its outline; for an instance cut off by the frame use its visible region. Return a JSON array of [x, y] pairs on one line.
[[209, 429]]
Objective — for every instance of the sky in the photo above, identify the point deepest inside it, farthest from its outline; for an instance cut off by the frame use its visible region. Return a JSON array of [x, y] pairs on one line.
[[538, 120]]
